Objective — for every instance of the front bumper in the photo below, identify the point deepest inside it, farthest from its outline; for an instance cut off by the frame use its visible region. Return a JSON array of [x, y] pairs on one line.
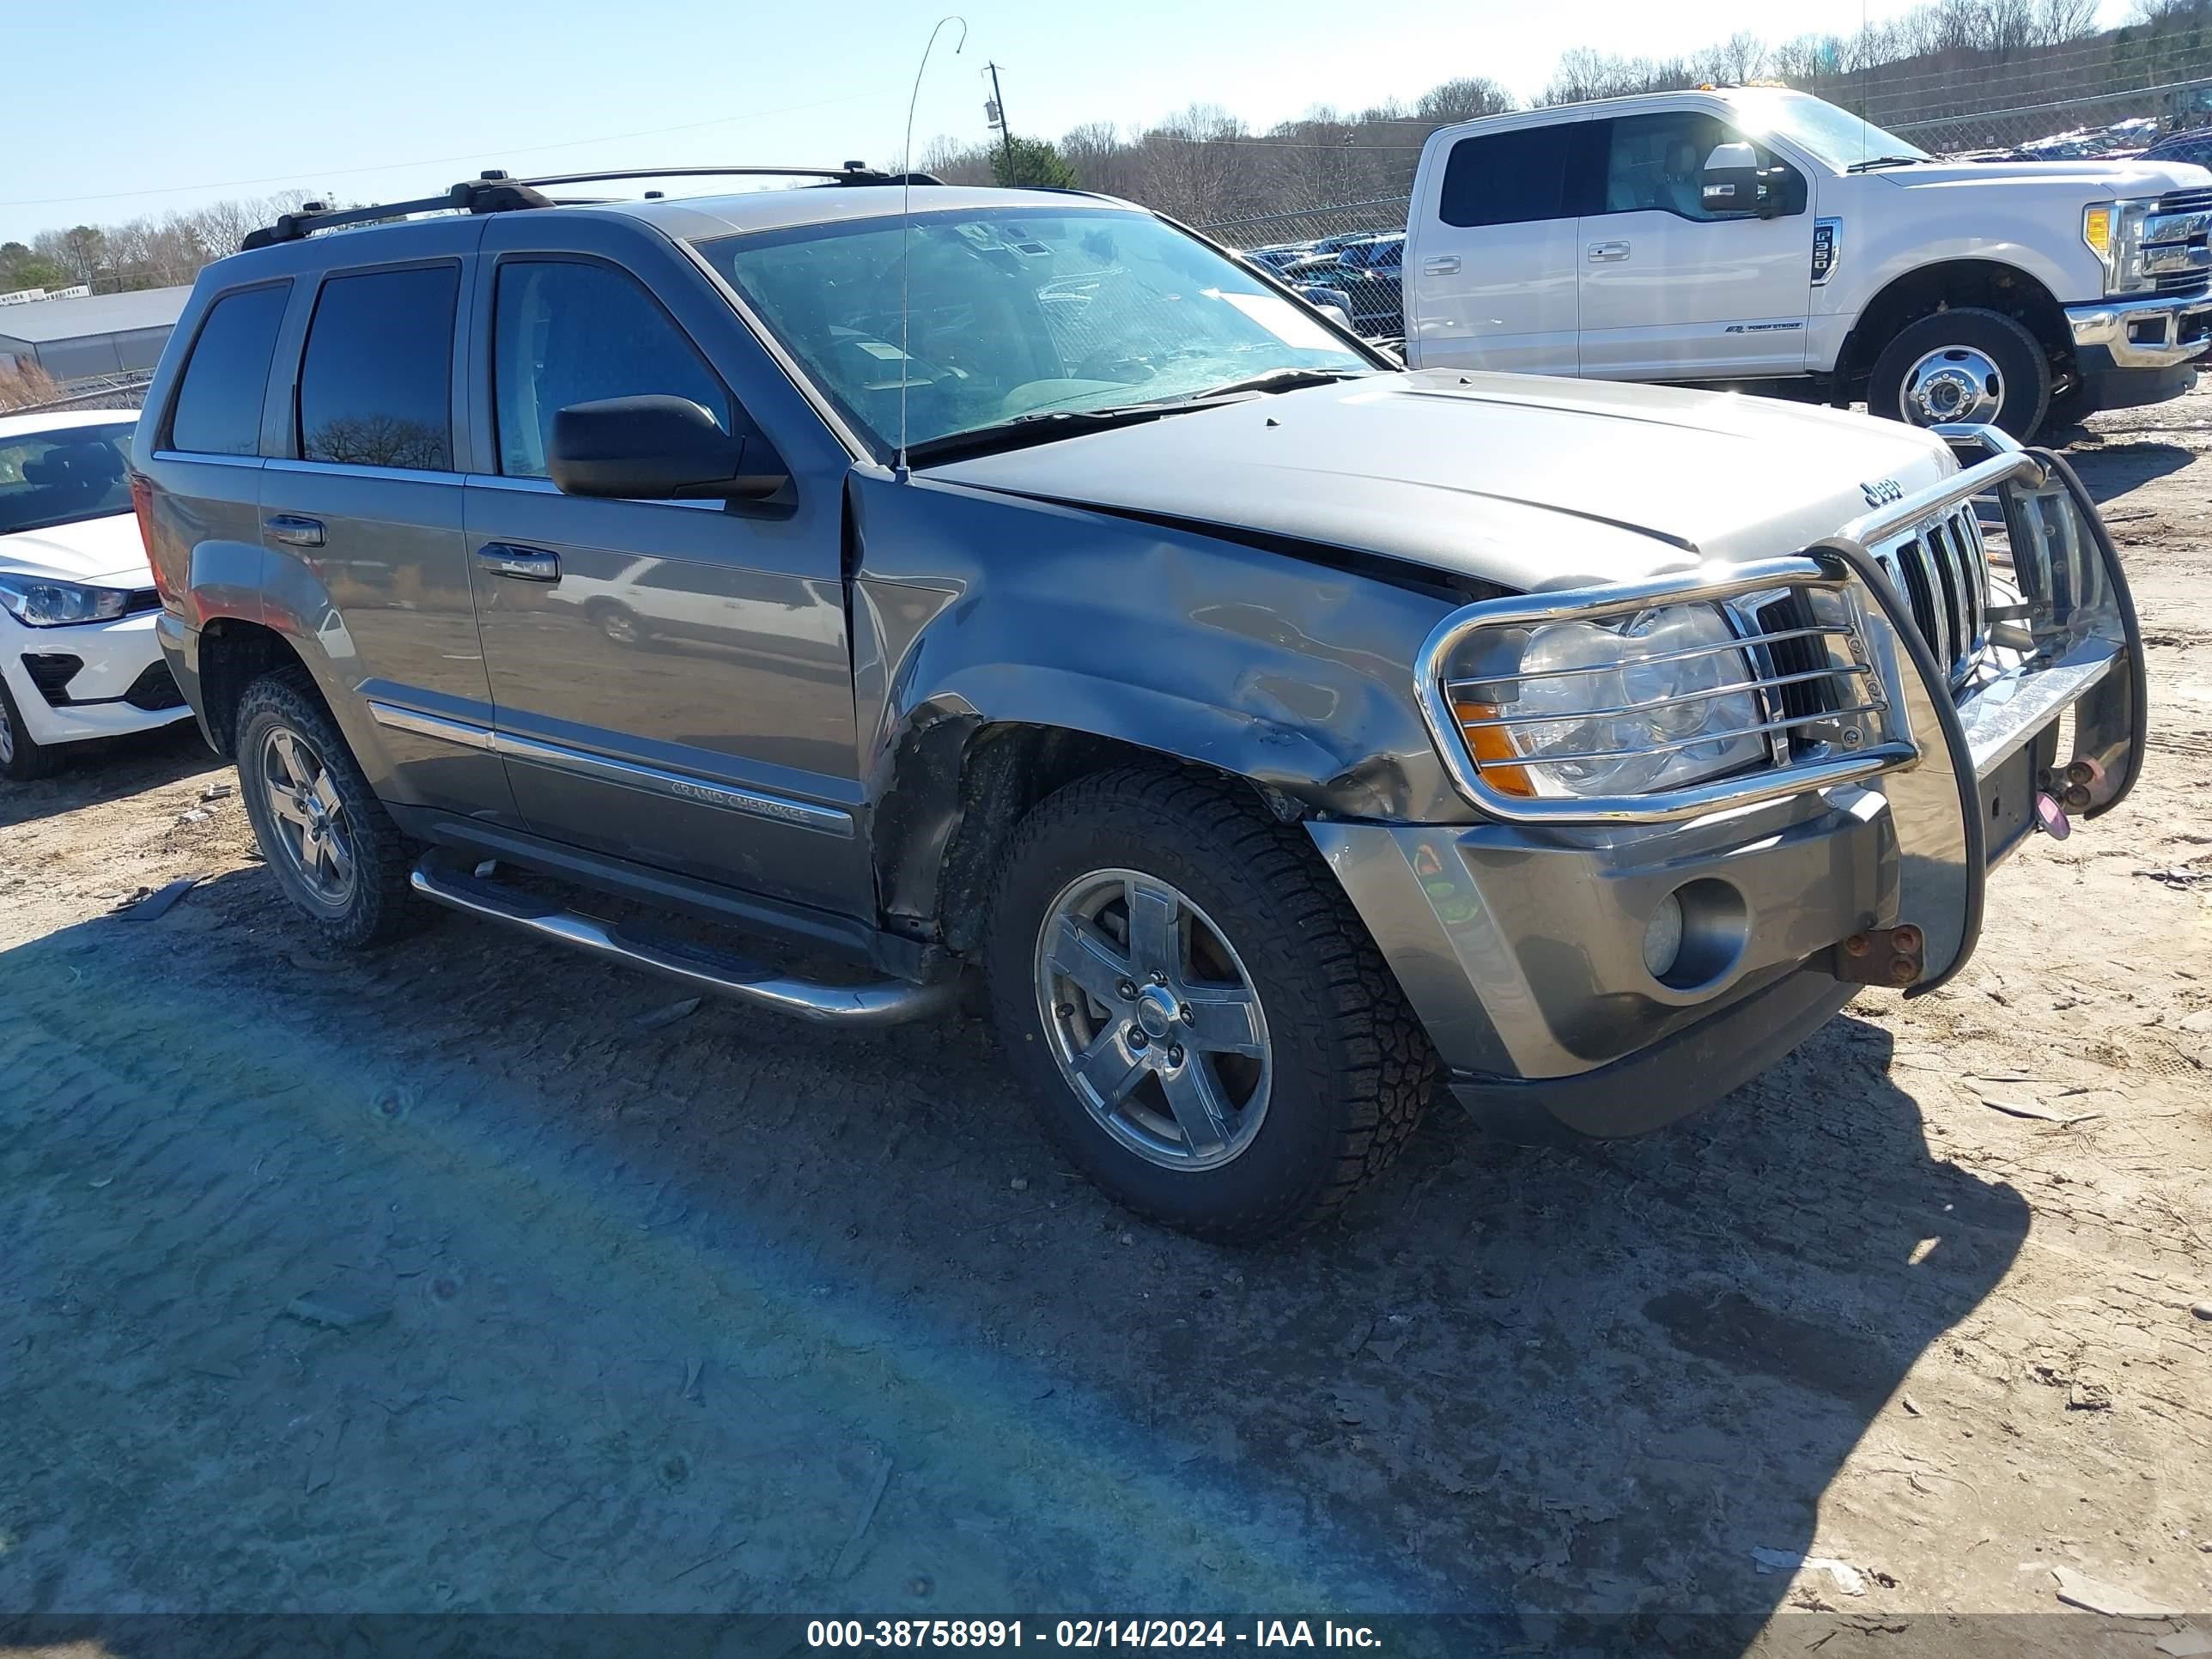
[[89, 680], [2154, 332], [1521, 945]]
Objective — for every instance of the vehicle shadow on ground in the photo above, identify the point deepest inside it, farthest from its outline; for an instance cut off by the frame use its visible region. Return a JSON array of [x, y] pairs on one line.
[[2111, 469], [1514, 1382], [111, 770]]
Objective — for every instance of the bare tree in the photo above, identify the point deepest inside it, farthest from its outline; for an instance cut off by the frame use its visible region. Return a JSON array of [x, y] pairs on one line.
[[1191, 163], [1467, 98]]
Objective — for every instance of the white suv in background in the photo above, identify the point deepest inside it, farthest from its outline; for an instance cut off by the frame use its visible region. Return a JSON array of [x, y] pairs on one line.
[[78, 655], [1756, 235]]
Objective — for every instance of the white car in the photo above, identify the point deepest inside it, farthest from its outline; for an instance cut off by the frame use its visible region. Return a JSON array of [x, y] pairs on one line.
[[78, 655]]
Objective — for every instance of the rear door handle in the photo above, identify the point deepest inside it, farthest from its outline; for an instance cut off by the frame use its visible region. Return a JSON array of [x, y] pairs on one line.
[[294, 531], [524, 564], [1443, 265], [1605, 252]]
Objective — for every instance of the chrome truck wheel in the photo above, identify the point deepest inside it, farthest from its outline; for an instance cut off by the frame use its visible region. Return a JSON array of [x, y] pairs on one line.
[[1194, 1008], [1152, 1018], [1953, 382], [1967, 364]]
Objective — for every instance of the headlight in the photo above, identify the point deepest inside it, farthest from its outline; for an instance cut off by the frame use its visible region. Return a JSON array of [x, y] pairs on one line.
[[41, 603], [1659, 699], [2113, 231]]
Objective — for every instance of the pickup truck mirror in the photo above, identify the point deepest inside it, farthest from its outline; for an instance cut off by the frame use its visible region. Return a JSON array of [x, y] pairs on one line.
[[1733, 182], [659, 448]]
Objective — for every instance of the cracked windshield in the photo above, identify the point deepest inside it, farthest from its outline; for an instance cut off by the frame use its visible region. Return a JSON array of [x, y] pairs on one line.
[[1012, 315]]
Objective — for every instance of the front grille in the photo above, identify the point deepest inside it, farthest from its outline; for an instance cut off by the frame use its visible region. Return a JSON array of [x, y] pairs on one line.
[[155, 689], [2175, 241], [52, 671], [142, 600], [1943, 571]]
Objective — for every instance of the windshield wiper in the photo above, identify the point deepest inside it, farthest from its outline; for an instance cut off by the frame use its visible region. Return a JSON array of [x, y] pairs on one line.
[[1041, 426], [1281, 379], [1873, 161]]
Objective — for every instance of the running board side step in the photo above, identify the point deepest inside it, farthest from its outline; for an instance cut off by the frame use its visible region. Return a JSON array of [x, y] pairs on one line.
[[704, 968]]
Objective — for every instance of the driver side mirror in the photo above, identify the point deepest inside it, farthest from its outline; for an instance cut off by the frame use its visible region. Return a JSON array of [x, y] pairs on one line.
[[1734, 182], [656, 449]]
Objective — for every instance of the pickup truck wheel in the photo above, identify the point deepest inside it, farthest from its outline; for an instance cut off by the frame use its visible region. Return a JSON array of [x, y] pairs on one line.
[[327, 839], [23, 758], [1969, 365], [1204, 1025]]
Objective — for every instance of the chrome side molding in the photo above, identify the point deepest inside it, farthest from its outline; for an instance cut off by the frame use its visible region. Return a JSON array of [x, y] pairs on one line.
[[723, 973], [629, 774]]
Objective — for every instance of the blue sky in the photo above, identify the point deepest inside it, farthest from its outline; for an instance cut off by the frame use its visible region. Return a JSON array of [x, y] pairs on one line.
[[150, 107]]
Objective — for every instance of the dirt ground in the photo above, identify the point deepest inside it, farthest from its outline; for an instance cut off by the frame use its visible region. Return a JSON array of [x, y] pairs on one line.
[[718, 1313]]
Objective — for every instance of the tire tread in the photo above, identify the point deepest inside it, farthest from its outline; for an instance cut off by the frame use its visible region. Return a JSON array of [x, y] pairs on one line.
[[1385, 1068]]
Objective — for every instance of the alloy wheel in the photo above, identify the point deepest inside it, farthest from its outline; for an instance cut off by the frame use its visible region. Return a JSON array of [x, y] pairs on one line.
[[308, 817], [1153, 1019]]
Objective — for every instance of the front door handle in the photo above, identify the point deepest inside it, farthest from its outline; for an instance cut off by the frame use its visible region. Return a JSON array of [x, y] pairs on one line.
[[294, 531], [524, 564], [1606, 253], [1445, 264]]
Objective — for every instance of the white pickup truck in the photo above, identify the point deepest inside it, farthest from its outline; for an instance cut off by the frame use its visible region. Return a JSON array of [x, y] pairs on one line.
[[1756, 235]]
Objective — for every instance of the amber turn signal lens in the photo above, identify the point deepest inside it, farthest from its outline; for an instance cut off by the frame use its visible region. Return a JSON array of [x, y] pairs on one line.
[[1493, 751]]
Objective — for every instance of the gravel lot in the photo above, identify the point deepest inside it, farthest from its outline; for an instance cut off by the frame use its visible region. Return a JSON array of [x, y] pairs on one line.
[[718, 1313]]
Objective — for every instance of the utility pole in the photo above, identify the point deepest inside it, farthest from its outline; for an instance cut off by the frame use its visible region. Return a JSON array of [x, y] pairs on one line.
[[998, 112]]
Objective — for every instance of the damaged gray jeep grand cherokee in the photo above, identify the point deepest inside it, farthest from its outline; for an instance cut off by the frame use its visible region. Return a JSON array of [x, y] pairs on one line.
[[1013, 581]]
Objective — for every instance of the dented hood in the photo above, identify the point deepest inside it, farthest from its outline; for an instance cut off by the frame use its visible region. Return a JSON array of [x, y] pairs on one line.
[[1523, 481]]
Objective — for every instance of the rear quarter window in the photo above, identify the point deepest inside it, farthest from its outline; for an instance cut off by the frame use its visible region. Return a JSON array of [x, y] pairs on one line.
[[218, 409], [1508, 178]]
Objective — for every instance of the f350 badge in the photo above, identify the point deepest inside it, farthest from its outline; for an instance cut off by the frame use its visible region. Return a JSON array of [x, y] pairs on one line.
[[1881, 492]]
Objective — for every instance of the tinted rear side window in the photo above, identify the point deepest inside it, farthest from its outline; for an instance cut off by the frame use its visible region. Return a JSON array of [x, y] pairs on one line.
[[376, 383], [1508, 178], [219, 403]]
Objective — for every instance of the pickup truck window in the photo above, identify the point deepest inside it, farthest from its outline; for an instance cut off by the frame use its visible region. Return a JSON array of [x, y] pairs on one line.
[[1657, 163], [1518, 177], [565, 331], [376, 383], [218, 409], [1015, 313]]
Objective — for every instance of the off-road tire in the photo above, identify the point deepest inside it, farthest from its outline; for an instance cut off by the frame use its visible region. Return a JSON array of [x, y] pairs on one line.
[[25, 759], [382, 906], [1353, 1069], [2018, 355]]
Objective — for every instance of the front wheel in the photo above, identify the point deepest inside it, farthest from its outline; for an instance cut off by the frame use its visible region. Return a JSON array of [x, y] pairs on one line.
[[1199, 1016], [22, 757], [1969, 365]]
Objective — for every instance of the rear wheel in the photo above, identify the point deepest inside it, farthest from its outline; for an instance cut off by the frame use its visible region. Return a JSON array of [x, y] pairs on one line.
[[1969, 365], [1200, 1018], [22, 757], [327, 839]]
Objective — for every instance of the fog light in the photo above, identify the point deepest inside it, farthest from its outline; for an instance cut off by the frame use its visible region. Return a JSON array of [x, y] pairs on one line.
[[1663, 939]]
